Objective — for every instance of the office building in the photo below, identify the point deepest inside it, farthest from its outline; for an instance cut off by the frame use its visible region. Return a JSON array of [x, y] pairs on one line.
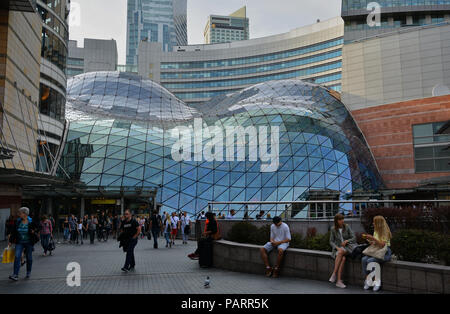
[[96, 55], [397, 87], [23, 147], [155, 21], [224, 29], [196, 73], [395, 15]]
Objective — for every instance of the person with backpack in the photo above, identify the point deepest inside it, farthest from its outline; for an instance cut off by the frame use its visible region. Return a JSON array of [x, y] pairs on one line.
[[168, 230], [155, 227], [46, 230], [185, 227], [130, 231], [24, 235]]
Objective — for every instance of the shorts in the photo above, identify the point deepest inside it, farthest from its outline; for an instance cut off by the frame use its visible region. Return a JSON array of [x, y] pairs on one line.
[[174, 232], [269, 247]]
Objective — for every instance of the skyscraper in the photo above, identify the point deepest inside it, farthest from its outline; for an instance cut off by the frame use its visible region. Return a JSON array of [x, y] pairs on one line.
[[222, 29], [163, 21]]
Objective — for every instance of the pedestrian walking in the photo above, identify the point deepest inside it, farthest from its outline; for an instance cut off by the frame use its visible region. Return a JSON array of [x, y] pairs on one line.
[[155, 227], [168, 230], [80, 231], [24, 235], [66, 230], [128, 238], [175, 226], [92, 227], [185, 227], [46, 231]]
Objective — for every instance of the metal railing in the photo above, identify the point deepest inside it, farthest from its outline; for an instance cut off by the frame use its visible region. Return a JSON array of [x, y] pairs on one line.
[[313, 209]]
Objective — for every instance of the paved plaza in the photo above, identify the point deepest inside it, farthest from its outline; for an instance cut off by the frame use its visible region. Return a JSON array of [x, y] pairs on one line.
[[157, 271]]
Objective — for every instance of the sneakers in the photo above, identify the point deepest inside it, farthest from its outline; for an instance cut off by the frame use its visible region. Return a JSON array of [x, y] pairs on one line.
[[340, 284], [276, 272], [332, 278], [125, 270], [193, 256], [376, 288], [269, 271], [14, 277], [132, 269], [27, 276]]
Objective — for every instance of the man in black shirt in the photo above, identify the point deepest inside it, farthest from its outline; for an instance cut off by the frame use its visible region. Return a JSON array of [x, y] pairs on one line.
[[128, 238], [155, 227]]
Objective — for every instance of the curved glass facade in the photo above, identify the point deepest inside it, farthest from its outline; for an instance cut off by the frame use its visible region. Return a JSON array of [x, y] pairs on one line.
[[250, 60], [125, 133]]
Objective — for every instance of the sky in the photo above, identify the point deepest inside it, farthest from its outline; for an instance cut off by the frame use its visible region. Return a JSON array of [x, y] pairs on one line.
[[107, 19]]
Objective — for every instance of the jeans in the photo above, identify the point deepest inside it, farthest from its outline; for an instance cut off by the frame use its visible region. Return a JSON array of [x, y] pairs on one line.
[[366, 260], [66, 234], [155, 234], [45, 239], [185, 235], [80, 235], [20, 247], [167, 236], [129, 260]]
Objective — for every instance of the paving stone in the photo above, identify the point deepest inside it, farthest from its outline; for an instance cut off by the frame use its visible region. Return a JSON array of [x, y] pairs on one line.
[[162, 270]]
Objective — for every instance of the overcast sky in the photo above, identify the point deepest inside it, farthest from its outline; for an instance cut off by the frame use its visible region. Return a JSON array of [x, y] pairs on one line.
[[106, 19]]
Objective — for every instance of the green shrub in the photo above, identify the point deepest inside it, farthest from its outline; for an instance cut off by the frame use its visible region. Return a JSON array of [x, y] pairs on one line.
[[243, 232], [416, 245], [261, 236], [320, 242], [444, 249], [297, 241]]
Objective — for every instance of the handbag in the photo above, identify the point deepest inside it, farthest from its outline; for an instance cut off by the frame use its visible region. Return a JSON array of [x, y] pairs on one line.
[[375, 251], [51, 245], [8, 255]]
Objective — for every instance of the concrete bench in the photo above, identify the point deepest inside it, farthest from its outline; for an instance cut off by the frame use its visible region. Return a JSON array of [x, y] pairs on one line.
[[398, 276]]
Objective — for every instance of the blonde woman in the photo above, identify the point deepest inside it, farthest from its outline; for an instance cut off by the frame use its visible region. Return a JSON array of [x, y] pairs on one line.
[[381, 237]]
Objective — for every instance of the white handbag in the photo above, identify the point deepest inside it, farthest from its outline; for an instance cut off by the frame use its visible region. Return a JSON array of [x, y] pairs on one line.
[[375, 251]]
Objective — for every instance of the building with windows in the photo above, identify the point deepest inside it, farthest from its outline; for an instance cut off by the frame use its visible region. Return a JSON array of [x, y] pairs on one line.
[[52, 95], [21, 120], [395, 15], [159, 21], [224, 29], [397, 86], [125, 131], [96, 55], [196, 73]]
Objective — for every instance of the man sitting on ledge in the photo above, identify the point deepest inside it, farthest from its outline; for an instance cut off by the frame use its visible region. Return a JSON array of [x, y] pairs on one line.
[[280, 236]]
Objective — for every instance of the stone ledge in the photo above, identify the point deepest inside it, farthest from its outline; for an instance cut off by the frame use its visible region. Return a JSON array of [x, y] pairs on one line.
[[397, 276]]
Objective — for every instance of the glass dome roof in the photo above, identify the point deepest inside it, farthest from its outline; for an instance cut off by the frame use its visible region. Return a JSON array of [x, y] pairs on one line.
[[121, 136]]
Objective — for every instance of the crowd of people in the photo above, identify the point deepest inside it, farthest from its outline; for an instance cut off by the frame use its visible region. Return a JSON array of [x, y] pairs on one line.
[[24, 232]]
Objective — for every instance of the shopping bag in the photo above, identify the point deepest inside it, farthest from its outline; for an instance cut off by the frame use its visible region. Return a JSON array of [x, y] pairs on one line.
[[8, 255]]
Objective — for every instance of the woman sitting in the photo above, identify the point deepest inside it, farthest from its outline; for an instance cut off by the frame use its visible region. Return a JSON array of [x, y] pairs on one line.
[[342, 241], [381, 238]]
